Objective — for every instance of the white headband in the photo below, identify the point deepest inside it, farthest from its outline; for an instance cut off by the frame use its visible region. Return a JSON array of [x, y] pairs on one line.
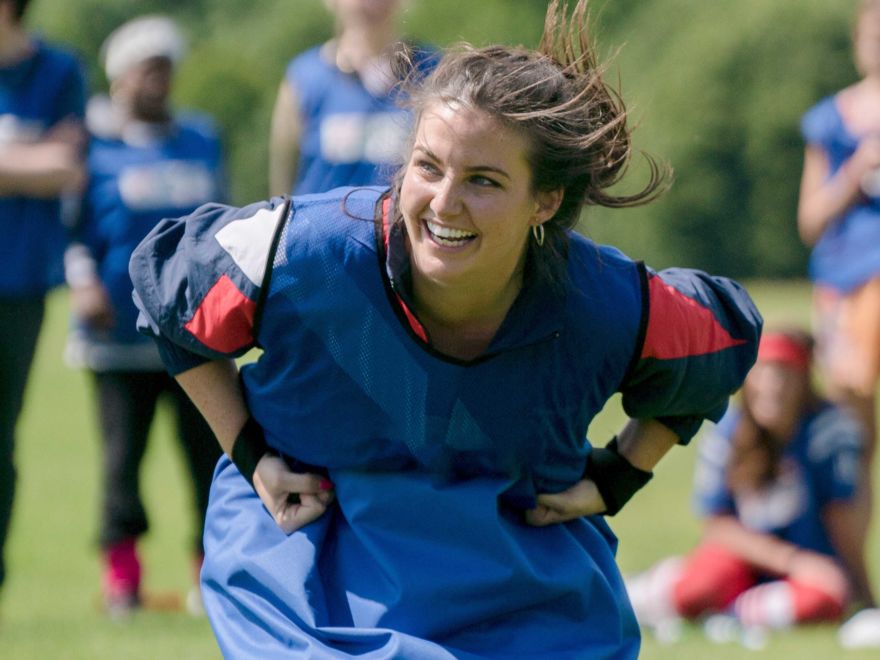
[[139, 40]]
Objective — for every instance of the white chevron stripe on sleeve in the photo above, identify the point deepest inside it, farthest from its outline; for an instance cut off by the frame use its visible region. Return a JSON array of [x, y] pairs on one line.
[[249, 240]]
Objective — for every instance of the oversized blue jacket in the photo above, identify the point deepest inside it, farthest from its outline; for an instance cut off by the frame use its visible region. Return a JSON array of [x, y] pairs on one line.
[[425, 555]]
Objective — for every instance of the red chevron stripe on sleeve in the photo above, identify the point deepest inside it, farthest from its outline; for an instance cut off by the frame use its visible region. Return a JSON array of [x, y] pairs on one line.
[[224, 321], [680, 327]]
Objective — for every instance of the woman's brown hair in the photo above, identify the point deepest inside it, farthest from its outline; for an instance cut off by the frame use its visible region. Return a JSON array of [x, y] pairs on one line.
[[575, 124]]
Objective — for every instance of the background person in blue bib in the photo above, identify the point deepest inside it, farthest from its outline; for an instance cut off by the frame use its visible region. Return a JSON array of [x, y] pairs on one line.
[[336, 120], [42, 98], [145, 163], [410, 476]]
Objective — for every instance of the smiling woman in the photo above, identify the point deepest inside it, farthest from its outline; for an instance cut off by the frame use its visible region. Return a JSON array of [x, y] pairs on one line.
[[468, 206], [428, 377]]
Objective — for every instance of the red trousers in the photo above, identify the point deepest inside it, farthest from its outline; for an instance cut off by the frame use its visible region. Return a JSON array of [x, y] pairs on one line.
[[713, 578]]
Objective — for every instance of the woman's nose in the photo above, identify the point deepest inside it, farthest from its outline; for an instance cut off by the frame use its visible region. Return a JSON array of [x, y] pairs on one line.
[[447, 198]]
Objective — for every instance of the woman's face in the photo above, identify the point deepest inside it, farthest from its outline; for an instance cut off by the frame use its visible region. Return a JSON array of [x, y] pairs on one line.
[[866, 43], [466, 198], [775, 393]]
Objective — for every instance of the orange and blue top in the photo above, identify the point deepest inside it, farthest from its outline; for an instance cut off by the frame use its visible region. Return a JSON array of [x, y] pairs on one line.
[[425, 554]]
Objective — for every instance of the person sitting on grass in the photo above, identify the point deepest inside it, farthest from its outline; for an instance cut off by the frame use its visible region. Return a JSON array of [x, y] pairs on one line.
[[774, 484]]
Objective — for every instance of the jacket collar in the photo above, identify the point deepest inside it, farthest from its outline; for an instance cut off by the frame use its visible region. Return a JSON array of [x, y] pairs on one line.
[[537, 314]]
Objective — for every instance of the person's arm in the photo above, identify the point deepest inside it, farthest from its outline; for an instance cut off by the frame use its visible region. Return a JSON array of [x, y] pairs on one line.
[[284, 140], [642, 443], [215, 390], [294, 499], [89, 300], [53, 165], [764, 552], [824, 198], [836, 454], [770, 554], [701, 338], [47, 168], [42, 170], [842, 520], [198, 254]]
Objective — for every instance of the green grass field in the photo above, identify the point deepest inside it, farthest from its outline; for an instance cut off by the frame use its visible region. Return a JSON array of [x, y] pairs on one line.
[[49, 608]]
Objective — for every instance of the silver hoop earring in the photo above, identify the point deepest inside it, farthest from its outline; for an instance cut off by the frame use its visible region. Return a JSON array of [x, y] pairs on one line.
[[538, 233]]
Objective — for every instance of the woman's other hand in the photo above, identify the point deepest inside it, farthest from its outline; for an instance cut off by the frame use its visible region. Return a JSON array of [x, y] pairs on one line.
[[293, 498], [582, 499]]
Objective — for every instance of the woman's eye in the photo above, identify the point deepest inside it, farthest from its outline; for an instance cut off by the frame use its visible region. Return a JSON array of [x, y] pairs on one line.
[[427, 167], [485, 181]]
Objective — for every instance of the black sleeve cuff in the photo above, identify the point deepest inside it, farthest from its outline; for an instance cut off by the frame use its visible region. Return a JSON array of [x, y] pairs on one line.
[[250, 446], [615, 477]]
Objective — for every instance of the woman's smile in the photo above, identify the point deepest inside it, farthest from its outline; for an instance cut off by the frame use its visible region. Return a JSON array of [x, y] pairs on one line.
[[448, 237]]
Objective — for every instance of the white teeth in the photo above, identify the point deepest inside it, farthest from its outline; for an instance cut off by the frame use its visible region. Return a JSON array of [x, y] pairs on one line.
[[451, 235]]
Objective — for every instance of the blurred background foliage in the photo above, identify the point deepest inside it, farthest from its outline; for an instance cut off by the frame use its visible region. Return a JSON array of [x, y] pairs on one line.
[[716, 89]]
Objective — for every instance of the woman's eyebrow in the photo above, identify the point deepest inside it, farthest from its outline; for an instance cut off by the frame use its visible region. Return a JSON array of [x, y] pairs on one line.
[[475, 168]]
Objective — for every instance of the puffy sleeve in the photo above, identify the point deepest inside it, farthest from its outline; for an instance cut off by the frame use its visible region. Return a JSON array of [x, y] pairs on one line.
[[198, 279], [700, 338]]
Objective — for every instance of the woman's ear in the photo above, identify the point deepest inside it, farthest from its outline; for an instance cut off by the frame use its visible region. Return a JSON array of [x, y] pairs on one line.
[[547, 204]]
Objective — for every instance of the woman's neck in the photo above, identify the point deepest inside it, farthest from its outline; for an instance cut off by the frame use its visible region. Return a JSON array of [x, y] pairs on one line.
[[462, 320], [360, 42], [366, 52], [15, 44]]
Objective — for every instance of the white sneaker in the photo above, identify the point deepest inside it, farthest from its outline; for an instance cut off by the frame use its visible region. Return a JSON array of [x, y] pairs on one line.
[[722, 628], [861, 631], [650, 593]]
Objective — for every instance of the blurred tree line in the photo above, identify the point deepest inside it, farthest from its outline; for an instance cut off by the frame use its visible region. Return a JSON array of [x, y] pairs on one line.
[[716, 89]]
